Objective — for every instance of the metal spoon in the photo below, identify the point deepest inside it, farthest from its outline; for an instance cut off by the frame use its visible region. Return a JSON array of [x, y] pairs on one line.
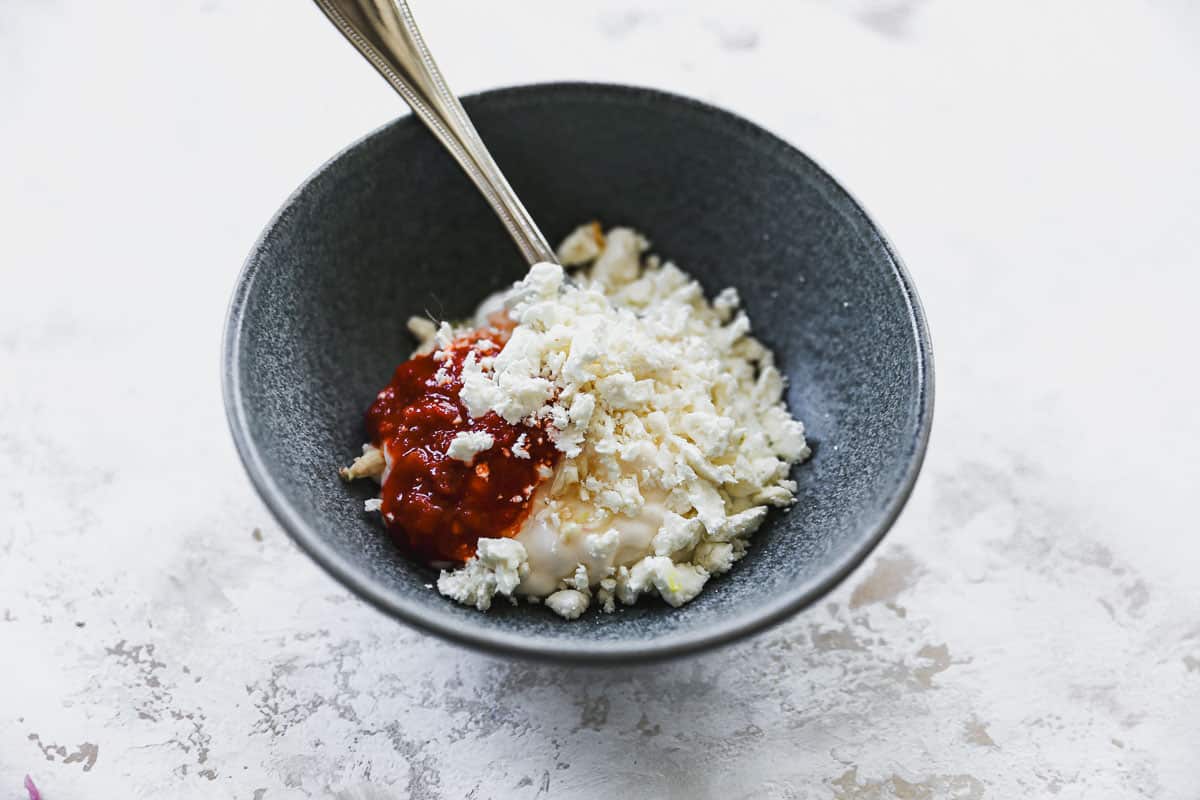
[[386, 34]]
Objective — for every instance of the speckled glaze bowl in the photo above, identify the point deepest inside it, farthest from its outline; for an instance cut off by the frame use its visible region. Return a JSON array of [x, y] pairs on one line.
[[391, 228]]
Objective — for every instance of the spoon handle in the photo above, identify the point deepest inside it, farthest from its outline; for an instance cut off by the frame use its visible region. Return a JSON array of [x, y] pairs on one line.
[[386, 34]]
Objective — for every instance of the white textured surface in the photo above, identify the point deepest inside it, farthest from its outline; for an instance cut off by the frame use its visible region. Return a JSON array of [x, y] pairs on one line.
[[1029, 628]]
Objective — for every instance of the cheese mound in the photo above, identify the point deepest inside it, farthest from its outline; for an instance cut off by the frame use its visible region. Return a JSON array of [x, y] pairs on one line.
[[669, 416]]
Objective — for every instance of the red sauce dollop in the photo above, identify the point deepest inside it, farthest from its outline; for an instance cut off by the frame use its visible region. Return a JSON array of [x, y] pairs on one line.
[[439, 507]]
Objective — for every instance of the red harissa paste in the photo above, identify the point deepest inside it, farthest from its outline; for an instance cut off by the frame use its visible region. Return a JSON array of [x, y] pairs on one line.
[[437, 506]]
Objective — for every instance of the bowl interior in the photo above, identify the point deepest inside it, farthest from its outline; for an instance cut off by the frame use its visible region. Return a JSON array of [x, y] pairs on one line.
[[391, 228]]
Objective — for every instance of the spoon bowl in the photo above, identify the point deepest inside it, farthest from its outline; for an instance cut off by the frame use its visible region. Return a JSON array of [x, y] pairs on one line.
[[391, 228]]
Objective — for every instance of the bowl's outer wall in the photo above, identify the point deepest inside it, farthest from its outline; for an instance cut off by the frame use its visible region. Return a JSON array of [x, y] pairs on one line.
[[391, 228]]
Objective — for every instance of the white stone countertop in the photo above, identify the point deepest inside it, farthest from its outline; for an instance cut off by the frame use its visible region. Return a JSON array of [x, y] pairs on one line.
[[1030, 628]]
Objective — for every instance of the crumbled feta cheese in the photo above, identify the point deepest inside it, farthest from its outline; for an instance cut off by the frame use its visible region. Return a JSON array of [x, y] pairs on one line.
[[603, 546], [579, 579], [423, 330], [568, 603], [520, 448], [668, 415], [676, 534], [374, 504], [443, 336], [737, 525], [467, 444], [371, 464], [620, 260], [509, 386], [675, 583], [605, 595], [645, 386], [715, 557], [496, 568], [726, 302], [582, 246]]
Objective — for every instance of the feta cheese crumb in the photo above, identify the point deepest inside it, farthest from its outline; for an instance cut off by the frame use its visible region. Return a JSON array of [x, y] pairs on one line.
[[370, 464], [675, 583], [583, 245], [423, 330], [520, 448], [603, 546], [715, 557], [374, 504], [737, 525], [467, 444], [568, 603], [496, 568], [676, 534], [443, 336], [726, 302], [580, 579]]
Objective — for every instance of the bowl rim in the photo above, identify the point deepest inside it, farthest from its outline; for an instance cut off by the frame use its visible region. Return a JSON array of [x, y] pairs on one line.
[[595, 652]]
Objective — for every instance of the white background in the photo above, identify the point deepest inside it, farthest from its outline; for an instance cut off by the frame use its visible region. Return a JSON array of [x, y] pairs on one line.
[[1030, 628]]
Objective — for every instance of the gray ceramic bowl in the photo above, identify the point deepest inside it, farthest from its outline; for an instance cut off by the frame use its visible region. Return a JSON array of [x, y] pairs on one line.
[[390, 228]]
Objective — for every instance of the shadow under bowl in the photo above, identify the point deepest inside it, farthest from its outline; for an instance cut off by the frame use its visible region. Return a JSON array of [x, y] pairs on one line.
[[391, 228]]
